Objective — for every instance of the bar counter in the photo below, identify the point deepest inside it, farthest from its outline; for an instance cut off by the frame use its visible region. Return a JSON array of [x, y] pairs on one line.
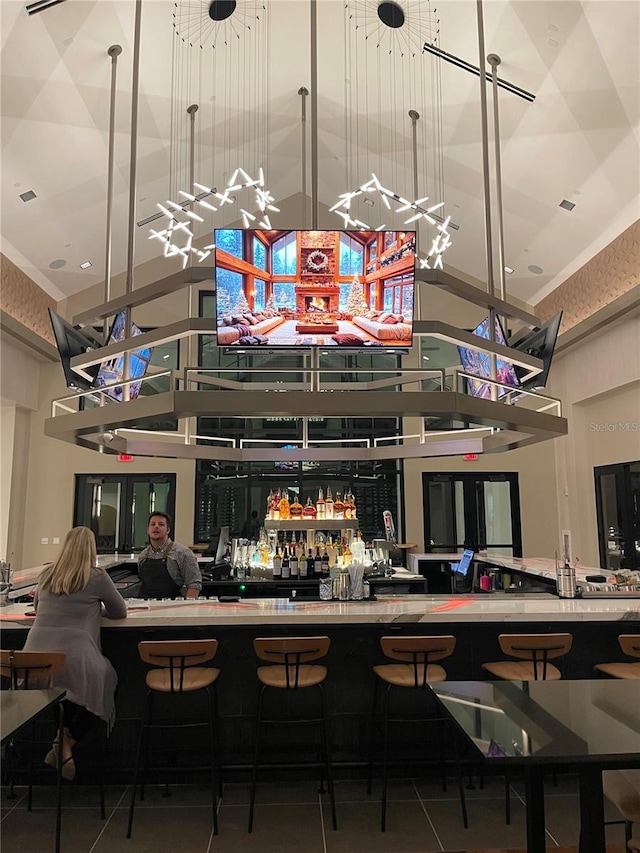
[[392, 609], [355, 629]]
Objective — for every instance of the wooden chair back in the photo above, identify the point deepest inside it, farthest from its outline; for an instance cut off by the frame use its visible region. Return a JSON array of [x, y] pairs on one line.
[[177, 656], [291, 653], [30, 670], [537, 648], [418, 653]]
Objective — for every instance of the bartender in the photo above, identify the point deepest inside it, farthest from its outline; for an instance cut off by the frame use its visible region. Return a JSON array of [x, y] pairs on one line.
[[165, 568]]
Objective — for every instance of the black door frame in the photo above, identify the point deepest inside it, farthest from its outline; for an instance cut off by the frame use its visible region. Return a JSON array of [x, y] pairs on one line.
[[626, 513], [83, 484], [473, 497]]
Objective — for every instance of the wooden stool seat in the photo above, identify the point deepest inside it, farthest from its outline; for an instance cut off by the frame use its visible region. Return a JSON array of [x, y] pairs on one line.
[[509, 670], [630, 645], [196, 679], [277, 676], [403, 674]]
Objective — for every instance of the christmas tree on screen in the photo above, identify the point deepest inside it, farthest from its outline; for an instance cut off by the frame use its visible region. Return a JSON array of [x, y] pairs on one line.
[[271, 303], [242, 306], [356, 305]]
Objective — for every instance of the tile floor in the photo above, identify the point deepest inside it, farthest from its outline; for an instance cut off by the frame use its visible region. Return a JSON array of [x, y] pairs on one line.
[[289, 818]]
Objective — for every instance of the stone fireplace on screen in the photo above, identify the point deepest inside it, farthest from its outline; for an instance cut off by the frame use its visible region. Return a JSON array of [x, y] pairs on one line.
[[322, 300]]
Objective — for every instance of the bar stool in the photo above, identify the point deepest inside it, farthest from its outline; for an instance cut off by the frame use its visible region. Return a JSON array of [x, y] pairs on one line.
[[34, 670], [177, 671], [417, 669], [534, 651], [630, 645], [291, 669]]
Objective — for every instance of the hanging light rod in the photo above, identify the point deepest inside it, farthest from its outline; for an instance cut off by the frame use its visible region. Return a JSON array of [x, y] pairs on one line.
[[184, 205], [473, 69], [40, 6]]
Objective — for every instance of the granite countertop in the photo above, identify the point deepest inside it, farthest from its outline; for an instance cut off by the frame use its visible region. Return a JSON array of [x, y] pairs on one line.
[[497, 607]]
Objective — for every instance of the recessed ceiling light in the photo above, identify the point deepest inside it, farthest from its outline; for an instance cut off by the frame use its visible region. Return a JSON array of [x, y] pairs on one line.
[[509, 270], [166, 356], [28, 195], [85, 265], [369, 201], [535, 269], [567, 205]]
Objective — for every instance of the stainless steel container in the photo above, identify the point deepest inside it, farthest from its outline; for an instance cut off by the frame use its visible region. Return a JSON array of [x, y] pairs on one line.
[[566, 581]]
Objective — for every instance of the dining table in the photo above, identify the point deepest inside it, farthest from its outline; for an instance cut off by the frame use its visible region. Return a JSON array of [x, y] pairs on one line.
[[18, 708], [577, 726]]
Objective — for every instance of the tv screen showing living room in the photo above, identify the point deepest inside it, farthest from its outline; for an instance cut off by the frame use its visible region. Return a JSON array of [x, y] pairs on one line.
[[314, 288]]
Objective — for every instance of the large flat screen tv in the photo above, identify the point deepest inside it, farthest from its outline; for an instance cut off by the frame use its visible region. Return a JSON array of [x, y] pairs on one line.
[[540, 343], [72, 341], [112, 370], [314, 288], [479, 364]]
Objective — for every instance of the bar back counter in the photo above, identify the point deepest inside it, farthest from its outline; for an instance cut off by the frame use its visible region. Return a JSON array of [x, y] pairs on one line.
[[355, 629]]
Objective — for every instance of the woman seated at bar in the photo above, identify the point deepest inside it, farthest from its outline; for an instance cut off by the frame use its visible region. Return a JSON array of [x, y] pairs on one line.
[[69, 603]]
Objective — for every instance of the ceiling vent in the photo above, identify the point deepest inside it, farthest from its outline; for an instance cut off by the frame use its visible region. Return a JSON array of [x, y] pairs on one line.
[[40, 6], [28, 196], [567, 205]]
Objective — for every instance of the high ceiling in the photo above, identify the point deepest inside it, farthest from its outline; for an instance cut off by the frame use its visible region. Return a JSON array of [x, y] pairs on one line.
[[578, 140]]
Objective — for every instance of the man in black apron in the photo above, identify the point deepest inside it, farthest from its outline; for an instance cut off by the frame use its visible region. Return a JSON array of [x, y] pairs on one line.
[[165, 568]]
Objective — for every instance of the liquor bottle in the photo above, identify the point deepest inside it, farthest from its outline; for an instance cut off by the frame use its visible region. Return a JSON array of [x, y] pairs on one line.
[[295, 510], [286, 568], [284, 506], [338, 506], [275, 506], [299, 548], [357, 549], [347, 553], [309, 512], [324, 568], [277, 565], [320, 505], [269, 502], [294, 565], [354, 509], [307, 569], [328, 505], [317, 563], [349, 506]]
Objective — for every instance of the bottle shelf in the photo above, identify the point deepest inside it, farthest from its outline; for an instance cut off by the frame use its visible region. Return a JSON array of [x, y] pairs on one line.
[[312, 524]]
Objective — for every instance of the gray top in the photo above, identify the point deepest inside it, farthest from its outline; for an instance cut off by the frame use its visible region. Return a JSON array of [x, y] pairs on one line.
[[182, 565], [71, 624]]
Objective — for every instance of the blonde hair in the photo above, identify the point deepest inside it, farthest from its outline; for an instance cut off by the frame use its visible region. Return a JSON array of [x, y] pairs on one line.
[[71, 571]]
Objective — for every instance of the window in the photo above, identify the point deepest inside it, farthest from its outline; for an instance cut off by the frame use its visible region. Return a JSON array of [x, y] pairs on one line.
[[259, 288], [284, 294], [345, 290], [284, 255], [228, 290], [230, 240], [398, 295], [351, 256], [259, 254]]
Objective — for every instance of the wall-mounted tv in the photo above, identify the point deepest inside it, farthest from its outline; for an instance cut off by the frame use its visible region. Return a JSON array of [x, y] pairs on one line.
[[72, 341], [314, 288], [112, 370], [479, 364], [540, 343]]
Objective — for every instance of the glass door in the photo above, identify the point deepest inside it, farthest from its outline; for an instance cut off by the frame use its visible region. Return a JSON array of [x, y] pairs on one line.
[[618, 515], [479, 511], [117, 507]]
